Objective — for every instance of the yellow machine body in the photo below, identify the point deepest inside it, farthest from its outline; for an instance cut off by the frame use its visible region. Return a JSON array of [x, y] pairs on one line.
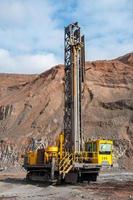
[[48, 153], [60, 144], [52, 149], [100, 151], [32, 157], [96, 152]]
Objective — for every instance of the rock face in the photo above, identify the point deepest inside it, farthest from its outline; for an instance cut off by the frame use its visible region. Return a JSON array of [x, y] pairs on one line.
[[32, 106]]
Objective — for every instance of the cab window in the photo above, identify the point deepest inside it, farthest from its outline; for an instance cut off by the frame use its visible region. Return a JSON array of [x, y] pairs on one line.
[[105, 148], [91, 147]]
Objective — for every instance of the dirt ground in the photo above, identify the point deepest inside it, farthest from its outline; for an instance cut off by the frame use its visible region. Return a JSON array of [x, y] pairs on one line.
[[110, 186]]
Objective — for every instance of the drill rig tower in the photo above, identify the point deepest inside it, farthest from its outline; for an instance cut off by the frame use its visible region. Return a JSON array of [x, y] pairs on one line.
[[74, 79]]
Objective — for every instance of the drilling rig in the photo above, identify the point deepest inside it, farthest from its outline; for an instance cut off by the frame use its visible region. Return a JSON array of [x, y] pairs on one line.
[[71, 159]]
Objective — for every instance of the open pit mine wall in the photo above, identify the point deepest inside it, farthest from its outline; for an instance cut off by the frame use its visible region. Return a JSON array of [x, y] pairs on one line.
[[31, 108]]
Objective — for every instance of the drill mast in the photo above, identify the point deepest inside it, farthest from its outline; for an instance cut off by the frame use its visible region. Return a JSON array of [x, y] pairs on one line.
[[74, 79]]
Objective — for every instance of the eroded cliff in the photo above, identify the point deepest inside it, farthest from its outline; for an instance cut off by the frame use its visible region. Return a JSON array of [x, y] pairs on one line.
[[31, 106]]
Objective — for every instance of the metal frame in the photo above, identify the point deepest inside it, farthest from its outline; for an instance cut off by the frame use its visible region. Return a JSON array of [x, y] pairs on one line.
[[74, 59]]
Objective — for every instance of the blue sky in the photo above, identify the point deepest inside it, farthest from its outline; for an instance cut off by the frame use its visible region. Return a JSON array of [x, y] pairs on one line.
[[32, 31]]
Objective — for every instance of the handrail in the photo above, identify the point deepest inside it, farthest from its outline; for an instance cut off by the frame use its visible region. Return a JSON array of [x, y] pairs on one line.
[[65, 160], [66, 163], [66, 154]]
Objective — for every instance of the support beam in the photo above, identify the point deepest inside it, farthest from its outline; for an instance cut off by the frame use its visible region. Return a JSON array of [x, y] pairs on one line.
[[74, 78]]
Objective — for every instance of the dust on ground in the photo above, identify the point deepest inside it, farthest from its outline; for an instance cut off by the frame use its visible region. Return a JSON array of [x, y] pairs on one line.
[[110, 186]]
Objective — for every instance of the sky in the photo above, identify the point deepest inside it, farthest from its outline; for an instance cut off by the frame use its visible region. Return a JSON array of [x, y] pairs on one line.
[[32, 31]]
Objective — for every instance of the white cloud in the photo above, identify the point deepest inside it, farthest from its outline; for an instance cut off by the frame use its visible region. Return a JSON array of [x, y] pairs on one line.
[[107, 25], [31, 31], [11, 12], [111, 51], [30, 39], [27, 26], [26, 63]]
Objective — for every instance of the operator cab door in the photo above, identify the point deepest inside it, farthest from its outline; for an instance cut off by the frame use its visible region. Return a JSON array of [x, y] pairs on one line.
[[91, 148]]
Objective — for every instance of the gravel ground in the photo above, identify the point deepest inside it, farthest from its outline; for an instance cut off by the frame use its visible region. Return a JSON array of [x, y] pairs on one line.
[[110, 186]]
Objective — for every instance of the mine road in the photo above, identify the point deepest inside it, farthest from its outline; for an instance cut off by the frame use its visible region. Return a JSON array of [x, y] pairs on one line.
[[110, 186]]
